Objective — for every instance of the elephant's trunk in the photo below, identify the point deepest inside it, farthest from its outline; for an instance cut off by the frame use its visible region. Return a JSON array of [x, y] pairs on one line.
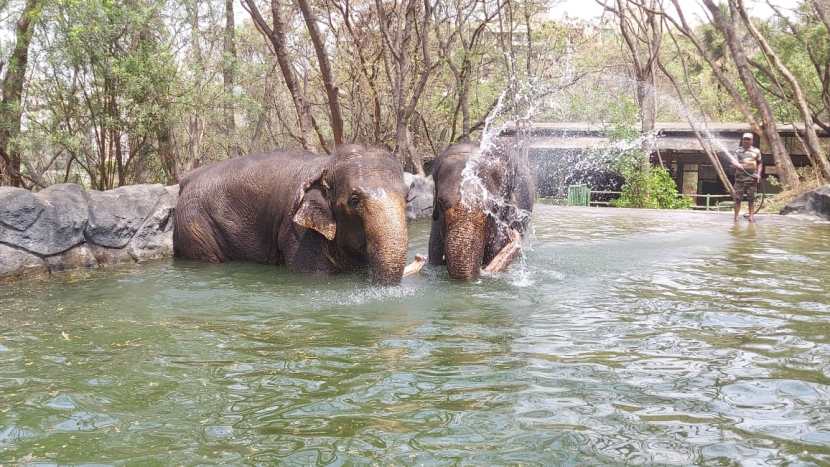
[[386, 238], [464, 245]]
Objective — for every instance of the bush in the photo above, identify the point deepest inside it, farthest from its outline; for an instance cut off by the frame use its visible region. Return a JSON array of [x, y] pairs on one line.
[[646, 186]]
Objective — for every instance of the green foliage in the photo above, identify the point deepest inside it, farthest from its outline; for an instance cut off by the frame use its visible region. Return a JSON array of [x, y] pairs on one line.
[[648, 187], [645, 186]]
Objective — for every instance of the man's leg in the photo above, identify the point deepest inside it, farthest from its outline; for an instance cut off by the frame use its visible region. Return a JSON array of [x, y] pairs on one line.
[[737, 199], [751, 200]]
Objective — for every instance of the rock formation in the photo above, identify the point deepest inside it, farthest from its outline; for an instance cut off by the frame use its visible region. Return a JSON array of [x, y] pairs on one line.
[[64, 227], [814, 203], [419, 200]]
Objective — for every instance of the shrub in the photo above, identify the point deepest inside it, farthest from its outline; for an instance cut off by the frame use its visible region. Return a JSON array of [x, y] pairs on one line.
[[646, 186]]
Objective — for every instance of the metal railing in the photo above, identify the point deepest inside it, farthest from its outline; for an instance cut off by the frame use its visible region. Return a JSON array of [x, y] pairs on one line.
[[582, 195]]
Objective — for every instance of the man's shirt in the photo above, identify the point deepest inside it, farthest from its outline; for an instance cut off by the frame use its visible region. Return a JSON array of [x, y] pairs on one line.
[[750, 160]]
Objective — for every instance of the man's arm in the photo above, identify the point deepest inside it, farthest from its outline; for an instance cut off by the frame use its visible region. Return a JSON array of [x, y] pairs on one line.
[[733, 159]]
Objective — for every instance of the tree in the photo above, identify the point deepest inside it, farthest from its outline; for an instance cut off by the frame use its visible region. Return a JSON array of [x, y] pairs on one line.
[[229, 67], [336, 118], [405, 28], [811, 144], [755, 99], [11, 109], [276, 35], [642, 33], [459, 32]]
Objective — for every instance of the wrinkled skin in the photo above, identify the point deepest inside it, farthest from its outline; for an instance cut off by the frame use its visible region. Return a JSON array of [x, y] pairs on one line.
[[467, 233], [317, 214]]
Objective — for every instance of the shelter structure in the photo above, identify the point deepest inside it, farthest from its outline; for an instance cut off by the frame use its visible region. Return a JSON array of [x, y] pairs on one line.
[[559, 152]]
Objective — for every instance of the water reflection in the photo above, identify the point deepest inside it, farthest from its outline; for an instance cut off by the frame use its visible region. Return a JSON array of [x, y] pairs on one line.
[[627, 336]]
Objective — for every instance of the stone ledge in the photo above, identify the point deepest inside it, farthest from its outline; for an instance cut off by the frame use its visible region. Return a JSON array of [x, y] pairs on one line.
[[65, 228]]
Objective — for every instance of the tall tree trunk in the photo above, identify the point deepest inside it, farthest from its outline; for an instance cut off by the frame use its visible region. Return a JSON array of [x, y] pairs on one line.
[[277, 37], [407, 80], [228, 69], [195, 126], [11, 107], [167, 153], [642, 36], [332, 92], [823, 10], [812, 143], [783, 162]]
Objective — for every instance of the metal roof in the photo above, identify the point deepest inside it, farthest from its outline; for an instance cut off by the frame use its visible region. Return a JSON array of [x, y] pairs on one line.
[[666, 128]]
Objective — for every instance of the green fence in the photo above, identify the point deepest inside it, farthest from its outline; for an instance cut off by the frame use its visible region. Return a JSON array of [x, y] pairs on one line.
[[579, 195], [582, 195]]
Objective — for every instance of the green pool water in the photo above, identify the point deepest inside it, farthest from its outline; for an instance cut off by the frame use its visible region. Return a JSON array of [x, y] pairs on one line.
[[625, 336]]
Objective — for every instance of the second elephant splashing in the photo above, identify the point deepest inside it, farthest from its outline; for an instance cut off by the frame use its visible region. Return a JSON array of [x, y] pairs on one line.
[[483, 204]]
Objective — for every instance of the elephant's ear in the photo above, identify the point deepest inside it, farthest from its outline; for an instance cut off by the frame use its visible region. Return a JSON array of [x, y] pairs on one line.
[[315, 213]]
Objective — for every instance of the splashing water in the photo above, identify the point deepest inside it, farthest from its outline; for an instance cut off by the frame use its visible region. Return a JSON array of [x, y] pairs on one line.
[[515, 106], [522, 102]]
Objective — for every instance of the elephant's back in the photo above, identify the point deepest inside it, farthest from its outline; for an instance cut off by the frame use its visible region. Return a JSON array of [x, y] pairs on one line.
[[240, 202], [261, 163]]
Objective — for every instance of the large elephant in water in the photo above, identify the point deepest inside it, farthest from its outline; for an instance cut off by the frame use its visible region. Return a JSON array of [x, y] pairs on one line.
[[314, 213], [483, 202]]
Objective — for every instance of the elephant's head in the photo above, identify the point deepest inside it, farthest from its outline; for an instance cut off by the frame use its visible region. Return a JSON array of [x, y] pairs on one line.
[[358, 202], [479, 198]]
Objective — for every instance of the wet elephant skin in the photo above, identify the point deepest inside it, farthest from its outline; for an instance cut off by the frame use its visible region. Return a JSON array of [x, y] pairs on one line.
[[314, 213], [470, 227]]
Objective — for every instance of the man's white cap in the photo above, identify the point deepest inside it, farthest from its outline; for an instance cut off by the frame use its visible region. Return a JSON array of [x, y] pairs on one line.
[[748, 136]]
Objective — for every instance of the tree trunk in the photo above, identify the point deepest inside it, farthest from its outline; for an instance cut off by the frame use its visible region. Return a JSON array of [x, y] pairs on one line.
[[406, 80], [644, 46], [783, 162], [464, 101], [812, 143], [332, 92], [276, 36], [228, 69], [11, 106]]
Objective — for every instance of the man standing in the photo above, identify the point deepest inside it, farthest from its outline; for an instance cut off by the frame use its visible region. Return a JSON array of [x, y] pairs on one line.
[[748, 166]]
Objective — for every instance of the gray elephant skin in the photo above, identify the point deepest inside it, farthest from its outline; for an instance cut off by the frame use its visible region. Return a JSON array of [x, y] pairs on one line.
[[473, 216], [313, 213]]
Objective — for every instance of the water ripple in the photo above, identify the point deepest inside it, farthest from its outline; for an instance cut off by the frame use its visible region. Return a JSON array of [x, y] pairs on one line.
[[624, 336]]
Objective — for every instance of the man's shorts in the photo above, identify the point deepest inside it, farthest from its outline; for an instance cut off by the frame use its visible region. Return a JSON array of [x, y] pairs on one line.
[[745, 189]]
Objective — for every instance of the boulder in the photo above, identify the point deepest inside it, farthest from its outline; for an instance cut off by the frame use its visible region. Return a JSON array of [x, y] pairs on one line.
[[814, 203], [154, 239], [45, 223], [110, 256], [16, 264], [421, 190], [80, 257], [116, 215], [64, 228]]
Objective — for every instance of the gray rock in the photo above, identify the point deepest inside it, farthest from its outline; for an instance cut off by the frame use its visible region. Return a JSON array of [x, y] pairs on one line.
[[46, 223], [173, 190], [80, 257], [814, 203], [116, 215], [19, 208], [110, 256], [154, 239], [16, 264], [421, 191]]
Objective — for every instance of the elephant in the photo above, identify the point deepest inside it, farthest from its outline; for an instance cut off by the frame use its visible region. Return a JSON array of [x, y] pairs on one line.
[[483, 203], [313, 213]]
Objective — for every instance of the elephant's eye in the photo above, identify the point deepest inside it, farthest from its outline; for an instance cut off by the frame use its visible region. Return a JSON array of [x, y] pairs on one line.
[[354, 200]]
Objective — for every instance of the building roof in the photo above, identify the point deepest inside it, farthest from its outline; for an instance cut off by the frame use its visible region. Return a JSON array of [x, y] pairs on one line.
[[602, 128], [671, 136]]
